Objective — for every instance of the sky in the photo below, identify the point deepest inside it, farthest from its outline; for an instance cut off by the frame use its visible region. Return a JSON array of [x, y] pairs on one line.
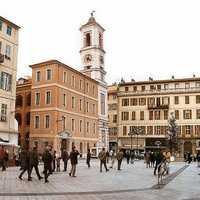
[[143, 38]]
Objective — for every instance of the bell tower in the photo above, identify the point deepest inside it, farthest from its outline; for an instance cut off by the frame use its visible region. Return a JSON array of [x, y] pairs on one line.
[[92, 52]]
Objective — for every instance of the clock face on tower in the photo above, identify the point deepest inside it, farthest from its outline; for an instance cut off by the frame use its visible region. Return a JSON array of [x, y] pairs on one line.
[[88, 58]]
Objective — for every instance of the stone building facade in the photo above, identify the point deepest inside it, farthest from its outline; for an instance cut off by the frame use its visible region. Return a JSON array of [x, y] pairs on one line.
[[147, 105]]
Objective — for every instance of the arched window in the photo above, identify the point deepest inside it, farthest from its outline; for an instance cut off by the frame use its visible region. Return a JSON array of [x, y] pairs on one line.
[[88, 40], [19, 101], [18, 117], [28, 99], [28, 117]]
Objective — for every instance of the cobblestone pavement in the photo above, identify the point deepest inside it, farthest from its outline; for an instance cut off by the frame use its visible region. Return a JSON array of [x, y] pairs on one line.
[[132, 182]]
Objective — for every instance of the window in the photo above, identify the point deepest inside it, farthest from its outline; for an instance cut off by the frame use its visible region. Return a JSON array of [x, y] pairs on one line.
[[125, 102], [126, 89], [80, 125], [103, 104], [134, 88], [157, 130], [3, 112], [28, 99], [133, 115], [114, 118], [177, 114], [142, 101], [93, 108], [38, 76], [64, 77], [166, 100], [151, 101], [158, 87], [152, 87], [1, 24], [87, 40], [124, 130], [8, 52], [165, 114], [48, 97], [93, 90], [73, 124], [19, 101], [47, 121], [87, 106], [176, 100], [197, 84], [143, 87], [6, 81], [37, 98], [125, 116], [88, 127], [150, 115], [80, 84], [157, 115], [198, 113], [198, 99], [141, 115], [73, 81], [73, 102], [187, 99], [133, 102], [9, 30], [188, 129], [80, 104], [149, 130], [28, 118], [94, 128], [64, 99], [166, 86], [187, 85], [37, 121], [187, 114], [48, 74]]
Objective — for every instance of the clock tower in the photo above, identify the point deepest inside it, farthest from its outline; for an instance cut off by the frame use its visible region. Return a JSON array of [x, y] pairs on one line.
[[92, 52], [92, 57]]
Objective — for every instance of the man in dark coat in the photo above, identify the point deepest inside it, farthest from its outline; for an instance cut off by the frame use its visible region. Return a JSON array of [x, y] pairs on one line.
[[2, 158], [102, 158], [24, 162], [119, 157], [34, 162], [65, 158], [158, 158], [74, 161], [47, 159], [88, 158]]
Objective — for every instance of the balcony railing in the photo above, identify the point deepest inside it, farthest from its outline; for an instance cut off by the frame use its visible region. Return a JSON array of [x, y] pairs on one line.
[[154, 107]]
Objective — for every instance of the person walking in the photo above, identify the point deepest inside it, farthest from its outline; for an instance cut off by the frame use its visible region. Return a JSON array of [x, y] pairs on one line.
[[34, 162], [158, 158], [65, 158], [24, 164], [2, 158], [107, 156], [152, 159], [119, 157], [128, 156], [102, 158], [47, 159], [112, 158], [88, 158], [74, 161], [132, 157], [54, 161]]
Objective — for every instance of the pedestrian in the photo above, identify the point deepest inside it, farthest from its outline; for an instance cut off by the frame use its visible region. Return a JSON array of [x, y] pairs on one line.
[[112, 158], [128, 156], [158, 158], [102, 157], [54, 161], [107, 157], [34, 162], [58, 158], [65, 158], [24, 164], [198, 159], [88, 158], [6, 158], [119, 157], [2, 158], [74, 161], [132, 157], [47, 159], [152, 159], [189, 158], [147, 159]]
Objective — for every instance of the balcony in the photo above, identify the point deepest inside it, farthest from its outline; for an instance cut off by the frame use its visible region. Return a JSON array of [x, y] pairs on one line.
[[1, 58], [154, 107]]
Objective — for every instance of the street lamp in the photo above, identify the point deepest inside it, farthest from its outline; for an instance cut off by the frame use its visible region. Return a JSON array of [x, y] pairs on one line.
[[135, 131]]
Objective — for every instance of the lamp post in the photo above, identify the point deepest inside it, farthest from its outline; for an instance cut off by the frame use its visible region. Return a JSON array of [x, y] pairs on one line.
[[135, 131]]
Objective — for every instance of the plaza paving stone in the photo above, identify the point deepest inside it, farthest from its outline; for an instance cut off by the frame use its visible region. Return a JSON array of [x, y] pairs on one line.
[[132, 182]]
